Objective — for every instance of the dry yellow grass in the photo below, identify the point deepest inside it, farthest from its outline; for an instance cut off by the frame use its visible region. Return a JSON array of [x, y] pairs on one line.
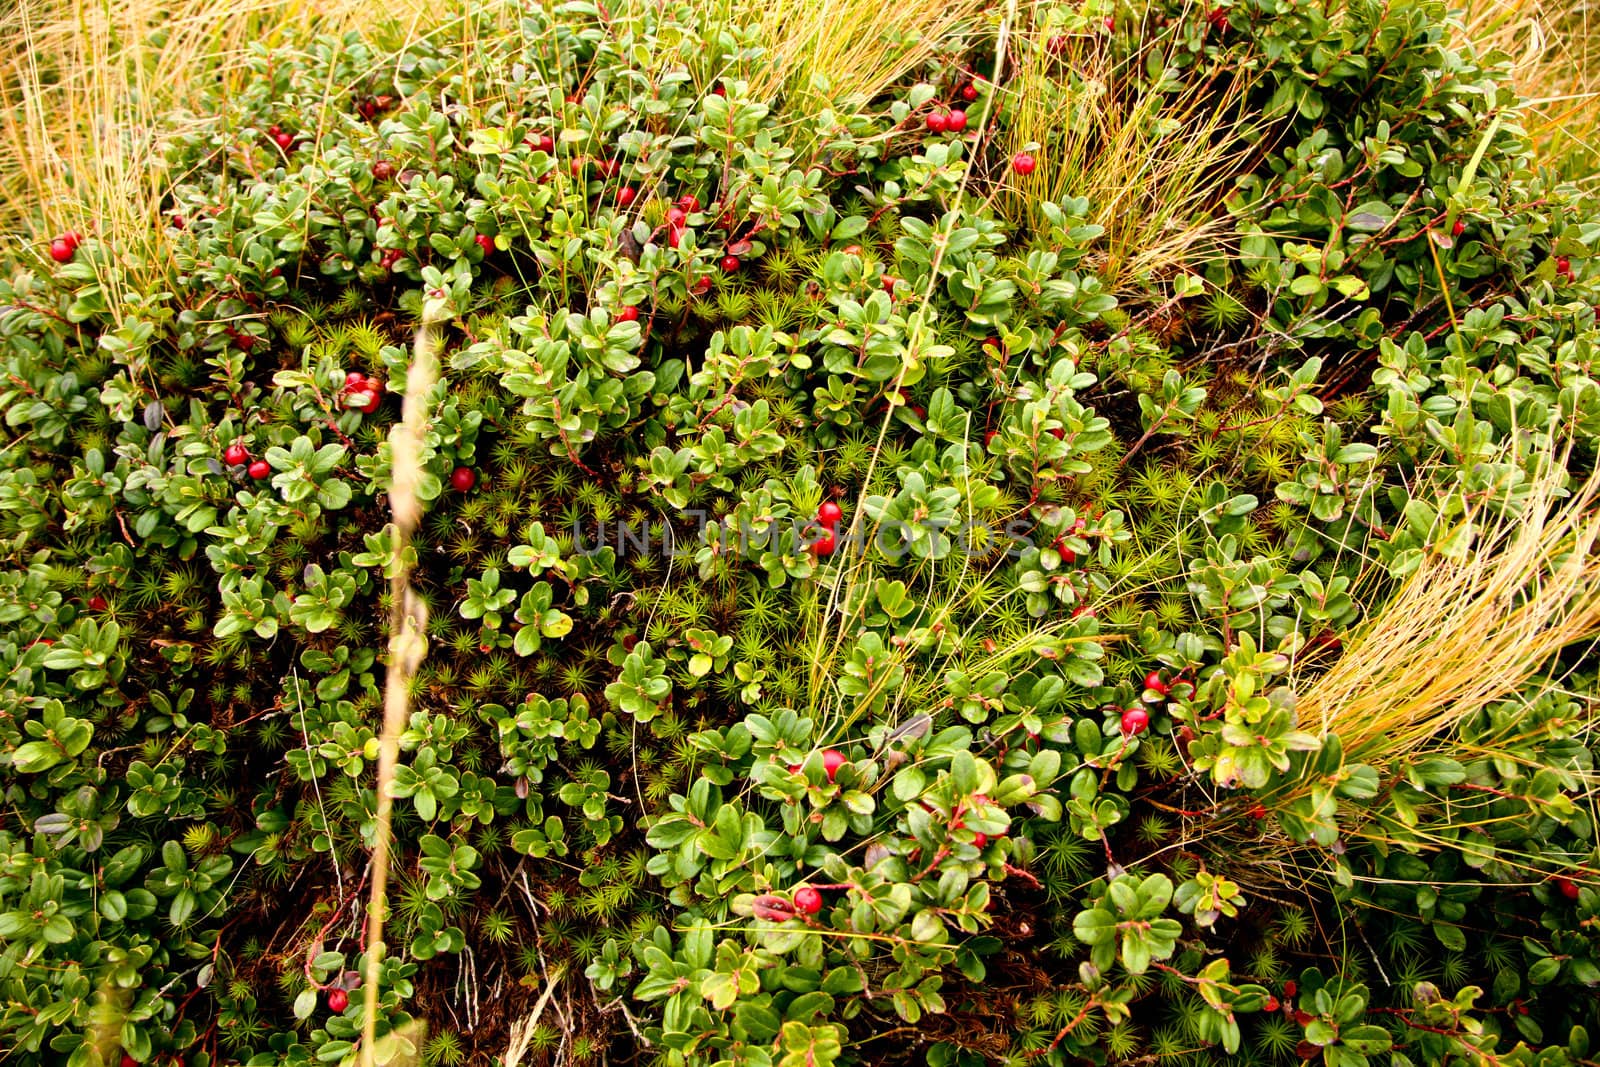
[[1463, 633], [825, 51], [1154, 165], [84, 88], [1555, 66]]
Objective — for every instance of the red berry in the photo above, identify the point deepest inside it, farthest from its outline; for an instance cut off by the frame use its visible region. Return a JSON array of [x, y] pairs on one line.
[[829, 514], [729, 264], [956, 121], [235, 454], [1058, 433], [353, 378], [285, 140], [674, 233], [62, 250], [274, 130], [628, 314], [1304, 1018], [338, 1000], [1066, 554], [463, 478], [1111, 24], [486, 243], [702, 287], [383, 170], [1563, 265], [1218, 18], [980, 838], [1568, 888], [1135, 721], [1271, 1004], [676, 216], [1290, 988], [1153, 682], [259, 469], [807, 901], [97, 603], [1459, 228], [626, 195], [376, 398], [969, 92], [1258, 811], [1056, 45], [988, 438], [720, 91], [1023, 163], [832, 760], [937, 121], [362, 399], [129, 1061], [689, 202], [824, 546], [609, 167]]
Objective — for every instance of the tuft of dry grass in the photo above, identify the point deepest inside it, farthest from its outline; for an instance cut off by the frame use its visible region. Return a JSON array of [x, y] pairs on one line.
[[1554, 49], [86, 91], [1467, 629], [830, 51], [1153, 160]]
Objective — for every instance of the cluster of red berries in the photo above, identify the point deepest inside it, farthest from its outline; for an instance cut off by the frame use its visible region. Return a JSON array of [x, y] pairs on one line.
[[360, 392], [828, 516], [371, 107], [281, 137], [63, 248], [979, 838], [1218, 17], [236, 455], [1564, 268], [954, 120], [1068, 555]]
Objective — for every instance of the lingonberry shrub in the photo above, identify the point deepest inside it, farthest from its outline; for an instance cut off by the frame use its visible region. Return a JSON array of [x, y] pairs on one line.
[[749, 784]]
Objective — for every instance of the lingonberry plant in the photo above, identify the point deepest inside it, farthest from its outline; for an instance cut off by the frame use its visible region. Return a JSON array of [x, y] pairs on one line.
[[853, 624]]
